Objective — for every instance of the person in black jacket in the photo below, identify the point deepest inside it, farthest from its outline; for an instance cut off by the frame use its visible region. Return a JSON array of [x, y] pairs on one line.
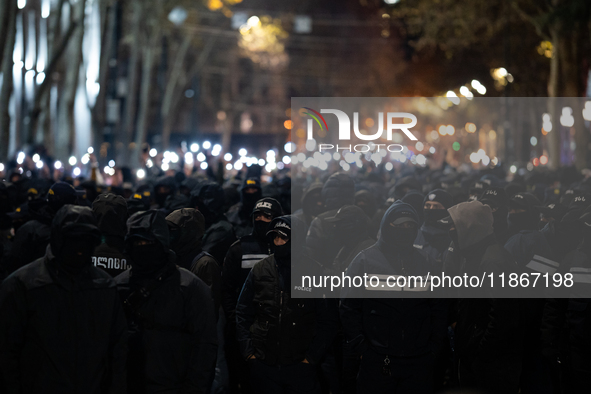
[[186, 228], [312, 205], [338, 190], [219, 235], [396, 338], [32, 238], [433, 240], [239, 214], [172, 324], [496, 199], [283, 338], [241, 257], [110, 212], [489, 331], [62, 327]]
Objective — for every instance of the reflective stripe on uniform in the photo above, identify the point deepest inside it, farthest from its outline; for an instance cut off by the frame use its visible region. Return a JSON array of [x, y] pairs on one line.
[[249, 260], [542, 264]]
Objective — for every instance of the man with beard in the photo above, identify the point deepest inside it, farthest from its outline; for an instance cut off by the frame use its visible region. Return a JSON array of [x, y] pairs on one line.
[[496, 199], [239, 214], [170, 313], [396, 338], [241, 257], [110, 212], [433, 240], [208, 198], [489, 332], [186, 227], [62, 328], [284, 339]]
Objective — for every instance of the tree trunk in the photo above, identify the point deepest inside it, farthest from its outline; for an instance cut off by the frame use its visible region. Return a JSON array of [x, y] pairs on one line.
[[6, 67], [66, 132], [132, 82], [148, 61], [107, 14], [178, 81], [172, 90]]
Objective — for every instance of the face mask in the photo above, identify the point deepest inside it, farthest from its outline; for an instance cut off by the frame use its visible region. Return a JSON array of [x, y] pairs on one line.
[[249, 200], [282, 252], [260, 228], [397, 237], [433, 215], [148, 258], [76, 255], [519, 221]]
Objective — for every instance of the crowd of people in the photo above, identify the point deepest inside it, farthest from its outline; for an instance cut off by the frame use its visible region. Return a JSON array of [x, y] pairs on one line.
[[184, 284]]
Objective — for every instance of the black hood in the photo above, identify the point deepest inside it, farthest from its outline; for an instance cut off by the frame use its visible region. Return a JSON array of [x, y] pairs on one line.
[[404, 185], [415, 199], [72, 221], [166, 182], [178, 201], [150, 225], [367, 201], [110, 212], [338, 190], [311, 196], [209, 199], [187, 227]]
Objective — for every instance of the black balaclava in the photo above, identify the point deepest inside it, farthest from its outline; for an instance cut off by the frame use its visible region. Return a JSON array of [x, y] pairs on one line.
[[76, 255], [365, 200], [150, 226], [393, 239], [526, 220], [496, 198], [270, 207], [165, 187], [282, 226], [250, 199], [431, 216], [74, 235], [282, 253], [312, 200], [415, 199]]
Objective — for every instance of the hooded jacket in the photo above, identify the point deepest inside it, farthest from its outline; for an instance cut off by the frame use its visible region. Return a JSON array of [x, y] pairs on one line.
[[242, 256], [239, 214], [60, 333], [310, 207], [172, 328], [338, 190], [275, 328], [31, 239], [187, 227], [398, 327], [110, 212], [489, 331], [219, 235]]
